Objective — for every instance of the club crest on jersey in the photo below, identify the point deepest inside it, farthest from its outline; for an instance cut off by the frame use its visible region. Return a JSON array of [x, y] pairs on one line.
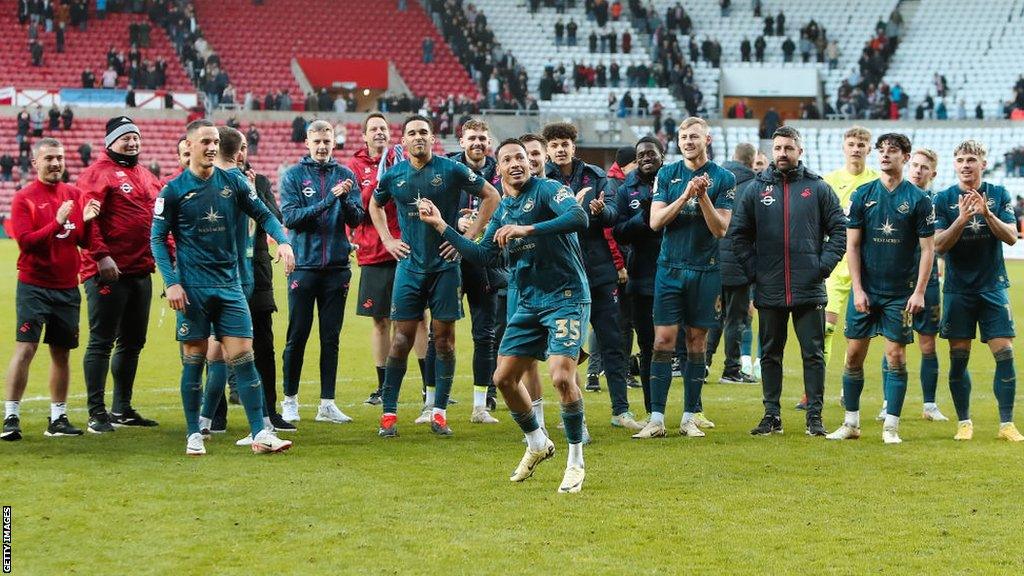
[[528, 205], [563, 194], [766, 197], [634, 203], [903, 208], [158, 206], [225, 192], [307, 191], [126, 187], [731, 194], [183, 329], [437, 181], [68, 227], [472, 178], [806, 193]]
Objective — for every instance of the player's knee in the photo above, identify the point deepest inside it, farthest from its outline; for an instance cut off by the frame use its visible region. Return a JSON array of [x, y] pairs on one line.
[[1004, 353], [563, 379], [444, 344], [896, 358], [927, 346], [400, 344], [664, 343]]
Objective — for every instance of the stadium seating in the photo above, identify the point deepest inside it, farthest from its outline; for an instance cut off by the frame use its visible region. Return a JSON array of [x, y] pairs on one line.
[[979, 54], [823, 148], [256, 43], [82, 50], [160, 139], [531, 39], [850, 24]]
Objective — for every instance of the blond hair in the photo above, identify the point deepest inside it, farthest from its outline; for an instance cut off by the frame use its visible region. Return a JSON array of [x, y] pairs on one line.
[[858, 132], [475, 124], [690, 121], [972, 147], [928, 153]]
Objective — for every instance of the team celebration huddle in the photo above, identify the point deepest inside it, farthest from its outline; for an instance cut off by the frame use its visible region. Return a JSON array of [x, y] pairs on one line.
[[559, 261]]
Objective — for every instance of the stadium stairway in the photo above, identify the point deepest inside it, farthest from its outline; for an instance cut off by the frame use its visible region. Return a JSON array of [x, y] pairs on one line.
[[82, 50], [261, 62]]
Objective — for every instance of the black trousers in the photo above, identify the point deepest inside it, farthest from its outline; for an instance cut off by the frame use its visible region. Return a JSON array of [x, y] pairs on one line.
[[773, 330], [118, 320], [735, 318], [604, 319]]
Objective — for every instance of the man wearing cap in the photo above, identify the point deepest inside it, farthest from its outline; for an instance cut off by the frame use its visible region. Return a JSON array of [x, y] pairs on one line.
[[116, 271]]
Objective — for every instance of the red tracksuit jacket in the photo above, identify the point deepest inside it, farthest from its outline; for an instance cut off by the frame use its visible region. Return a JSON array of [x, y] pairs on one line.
[[371, 249], [121, 231], [49, 255]]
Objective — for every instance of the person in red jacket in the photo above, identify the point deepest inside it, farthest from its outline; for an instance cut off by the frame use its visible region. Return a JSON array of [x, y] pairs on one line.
[[376, 264], [116, 271], [49, 225]]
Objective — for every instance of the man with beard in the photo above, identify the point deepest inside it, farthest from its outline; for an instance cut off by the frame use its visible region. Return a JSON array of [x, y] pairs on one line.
[[376, 264], [49, 226], [535, 229], [116, 272], [692, 201], [424, 279], [788, 233]]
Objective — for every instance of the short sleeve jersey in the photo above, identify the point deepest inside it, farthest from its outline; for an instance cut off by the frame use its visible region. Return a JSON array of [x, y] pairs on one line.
[[441, 181], [688, 242], [975, 263], [891, 225]]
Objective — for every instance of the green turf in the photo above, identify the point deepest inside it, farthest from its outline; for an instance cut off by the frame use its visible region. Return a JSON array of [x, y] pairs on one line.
[[344, 501]]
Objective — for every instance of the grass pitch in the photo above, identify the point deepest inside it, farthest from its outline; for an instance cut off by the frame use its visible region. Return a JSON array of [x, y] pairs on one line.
[[344, 501]]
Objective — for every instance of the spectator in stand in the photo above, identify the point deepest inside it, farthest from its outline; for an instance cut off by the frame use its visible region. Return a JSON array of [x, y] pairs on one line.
[[54, 115], [299, 129], [253, 137], [38, 121], [85, 154], [941, 113], [745, 50], [570, 32], [769, 25], [129, 99], [6, 167], [559, 32], [788, 47], [88, 78], [59, 39], [759, 47], [627, 42], [780, 24], [832, 54], [154, 168], [36, 49], [428, 50], [109, 80], [979, 112], [67, 116]]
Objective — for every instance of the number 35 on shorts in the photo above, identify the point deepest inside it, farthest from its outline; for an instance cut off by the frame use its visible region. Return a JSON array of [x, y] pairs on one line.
[[567, 328]]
